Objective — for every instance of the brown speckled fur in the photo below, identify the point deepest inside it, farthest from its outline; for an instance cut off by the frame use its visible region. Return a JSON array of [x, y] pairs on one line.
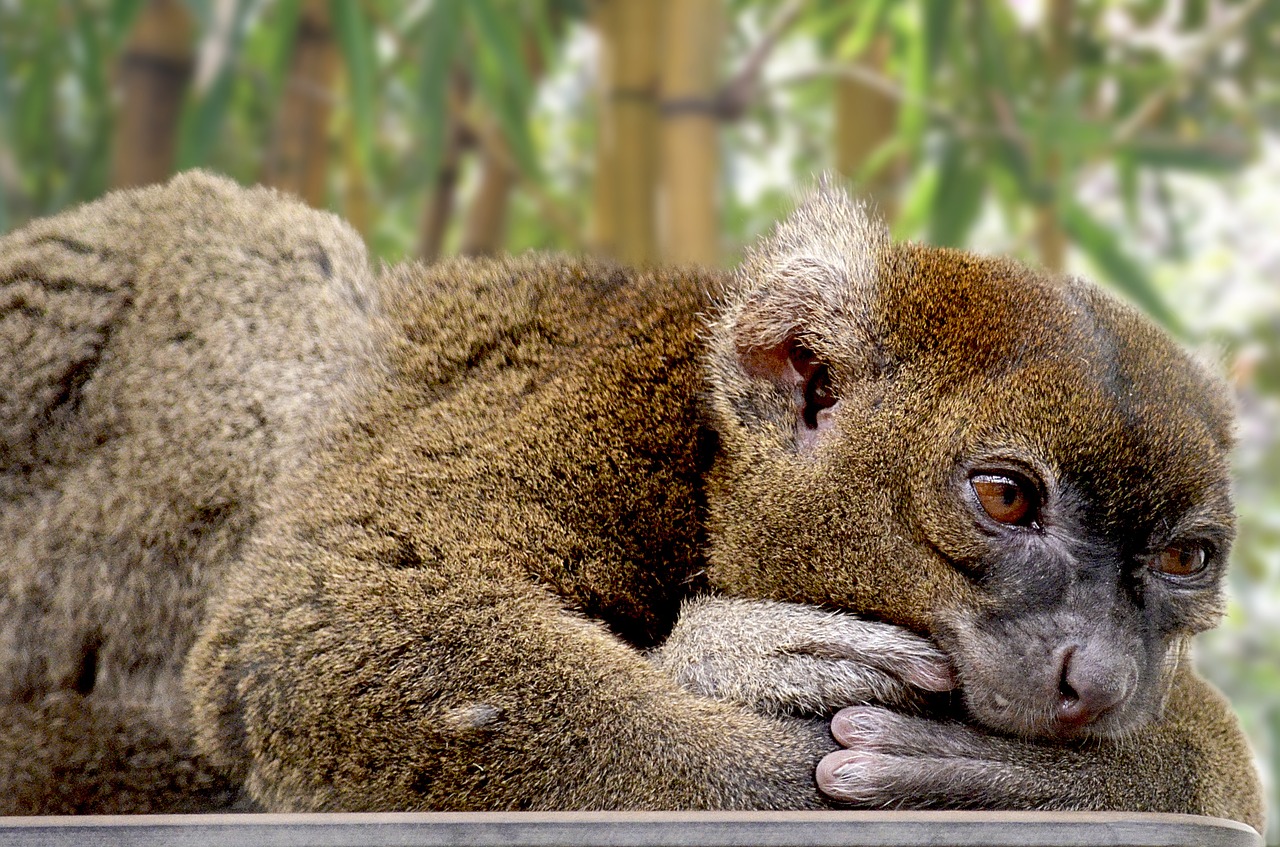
[[165, 354], [529, 463]]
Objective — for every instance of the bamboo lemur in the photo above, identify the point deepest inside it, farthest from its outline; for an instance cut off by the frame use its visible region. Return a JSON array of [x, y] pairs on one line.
[[428, 529]]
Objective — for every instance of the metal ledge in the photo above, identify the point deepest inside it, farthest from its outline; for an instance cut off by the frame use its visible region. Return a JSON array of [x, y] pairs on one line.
[[635, 829]]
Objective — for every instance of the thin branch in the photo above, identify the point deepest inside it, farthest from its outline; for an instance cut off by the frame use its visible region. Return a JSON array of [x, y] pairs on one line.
[[882, 84], [490, 140], [737, 94]]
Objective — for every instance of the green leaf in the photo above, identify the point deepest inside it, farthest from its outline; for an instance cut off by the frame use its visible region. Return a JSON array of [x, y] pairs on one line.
[[1008, 194], [86, 173], [1128, 276], [34, 116], [6, 105], [356, 44], [499, 34], [203, 119], [1213, 159], [996, 39], [937, 29], [961, 185], [870, 17], [91, 62], [1127, 177], [541, 25], [1194, 15], [440, 38], [826, 21], [5, 129], [503, 78], [884, 155], [1173, 221], [284, 34], [919, 201], [914, 117], [202, 123], [120, 17]]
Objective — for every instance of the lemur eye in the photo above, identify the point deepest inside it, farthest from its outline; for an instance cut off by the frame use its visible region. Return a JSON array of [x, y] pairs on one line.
[[1007, 499], [1180, 561]]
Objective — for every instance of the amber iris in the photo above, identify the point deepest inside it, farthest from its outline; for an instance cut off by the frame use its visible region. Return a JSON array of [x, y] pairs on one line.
[[1006, 499], [1180, 561]]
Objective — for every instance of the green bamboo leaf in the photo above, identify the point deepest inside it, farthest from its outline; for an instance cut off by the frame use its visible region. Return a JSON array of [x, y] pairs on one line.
[[958, 200], [87, 170], [826, 21], [994, 35], [503, 78], [1209, 158], [203, 118], [1128, 275], [440, 38], [120, 17], [920, 199], [1173, 221], [284, 34], [499, 33], [33, 112], [884, 155], [913, 119], [541, 23], [356, 44], [1008, 194], [871, 16], [937, 29], [1195, 14], [1127, 178], [6, 111], [202, 123], [6, 102], [993, 83], [91, 63]]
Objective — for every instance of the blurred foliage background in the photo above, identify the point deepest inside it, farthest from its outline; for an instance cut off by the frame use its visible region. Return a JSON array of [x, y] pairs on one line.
[[1136, 141]]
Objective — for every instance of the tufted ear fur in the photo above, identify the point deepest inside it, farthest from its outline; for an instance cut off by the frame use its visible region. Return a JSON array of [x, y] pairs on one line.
[[799, 319]]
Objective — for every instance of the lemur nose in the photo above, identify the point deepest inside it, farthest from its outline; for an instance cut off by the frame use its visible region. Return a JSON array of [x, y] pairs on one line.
[[1089, 685]]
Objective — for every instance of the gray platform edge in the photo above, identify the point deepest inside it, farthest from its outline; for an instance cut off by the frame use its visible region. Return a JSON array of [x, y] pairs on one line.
[[635, 829]]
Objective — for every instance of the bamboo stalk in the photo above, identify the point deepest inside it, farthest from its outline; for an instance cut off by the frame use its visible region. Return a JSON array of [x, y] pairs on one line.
[[689, 209], [629, 125], [866, 117], [299, 155], [603, 236], [485, 228], [154, 75]]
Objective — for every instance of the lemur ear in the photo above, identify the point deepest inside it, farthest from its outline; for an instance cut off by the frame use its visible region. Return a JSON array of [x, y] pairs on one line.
[[798, 313], [796, 370]]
